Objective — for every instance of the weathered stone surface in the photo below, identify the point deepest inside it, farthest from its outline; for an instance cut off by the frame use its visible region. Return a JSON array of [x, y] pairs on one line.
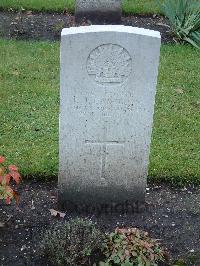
[[108, 85], [98, 11]]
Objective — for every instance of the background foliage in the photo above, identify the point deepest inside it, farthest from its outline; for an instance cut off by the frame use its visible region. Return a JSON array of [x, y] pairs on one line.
[[72, 242], [184, 17], [129, 6]]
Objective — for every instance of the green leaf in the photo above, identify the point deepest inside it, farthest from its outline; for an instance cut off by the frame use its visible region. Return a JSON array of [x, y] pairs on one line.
[[127, 264], [184, 17]]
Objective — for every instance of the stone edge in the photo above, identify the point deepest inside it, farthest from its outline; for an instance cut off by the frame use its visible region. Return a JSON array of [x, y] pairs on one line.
[[110, 28]]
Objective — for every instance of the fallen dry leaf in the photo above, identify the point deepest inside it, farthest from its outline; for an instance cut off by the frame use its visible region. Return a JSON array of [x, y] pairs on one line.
[[15, 73], [2, 224], [32, 205], [29, 13], [57, 213], [179, 91], [163, 24]]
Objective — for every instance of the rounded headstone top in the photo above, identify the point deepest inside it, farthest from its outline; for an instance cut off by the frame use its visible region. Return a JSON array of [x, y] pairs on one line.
[[110, 28]]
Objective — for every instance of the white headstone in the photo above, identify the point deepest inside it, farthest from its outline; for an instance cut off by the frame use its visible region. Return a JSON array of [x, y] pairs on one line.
[[98, 11], [108, 86]]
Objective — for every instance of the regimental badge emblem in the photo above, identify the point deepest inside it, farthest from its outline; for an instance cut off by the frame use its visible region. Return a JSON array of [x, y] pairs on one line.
[[109, 64]]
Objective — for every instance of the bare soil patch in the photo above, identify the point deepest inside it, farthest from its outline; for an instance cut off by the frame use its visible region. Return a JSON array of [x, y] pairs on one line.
[[172, 215], [44, 26]]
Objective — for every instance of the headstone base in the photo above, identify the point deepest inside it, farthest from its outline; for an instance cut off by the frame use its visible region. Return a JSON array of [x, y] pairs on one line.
[[101, 201], [98, 11], [99, 17]]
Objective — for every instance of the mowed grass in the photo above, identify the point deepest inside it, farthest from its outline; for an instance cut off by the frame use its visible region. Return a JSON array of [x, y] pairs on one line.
[[29, 93], [29, 113], [129, 6]]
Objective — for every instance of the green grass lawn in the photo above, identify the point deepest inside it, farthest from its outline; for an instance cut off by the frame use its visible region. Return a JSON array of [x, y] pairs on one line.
[[29, 93], [129, 6]]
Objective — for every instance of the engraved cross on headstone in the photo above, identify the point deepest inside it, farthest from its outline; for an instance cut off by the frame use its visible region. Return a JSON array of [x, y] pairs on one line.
[[104, 143]]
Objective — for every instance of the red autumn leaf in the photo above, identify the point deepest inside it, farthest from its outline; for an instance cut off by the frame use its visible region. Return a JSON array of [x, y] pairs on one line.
[[16, 197], [13, 168], [16, 176], [8, 200], [2, 159], [7, 176]]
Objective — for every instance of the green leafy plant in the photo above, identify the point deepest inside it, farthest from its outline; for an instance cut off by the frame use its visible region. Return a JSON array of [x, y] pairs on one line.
[[7, 174], [132, 247], [72, 242], [184, 17]]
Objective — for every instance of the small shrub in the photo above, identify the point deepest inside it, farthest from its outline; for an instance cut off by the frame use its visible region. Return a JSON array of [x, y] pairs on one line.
[[132, 247], [184, 17], [72, 243], [7, 193]]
